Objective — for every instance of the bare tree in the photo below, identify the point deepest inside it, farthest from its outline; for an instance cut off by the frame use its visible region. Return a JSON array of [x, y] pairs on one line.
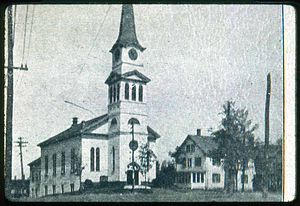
[[147, 158]]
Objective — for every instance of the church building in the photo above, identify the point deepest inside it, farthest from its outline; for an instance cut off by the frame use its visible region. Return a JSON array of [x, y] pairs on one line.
[[82, 153]]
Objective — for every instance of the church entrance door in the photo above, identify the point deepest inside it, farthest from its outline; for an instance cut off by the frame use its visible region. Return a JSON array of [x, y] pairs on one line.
[[130, 178]]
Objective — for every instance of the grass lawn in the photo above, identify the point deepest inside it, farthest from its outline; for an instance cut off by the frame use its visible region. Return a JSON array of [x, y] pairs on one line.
[[158, 195]]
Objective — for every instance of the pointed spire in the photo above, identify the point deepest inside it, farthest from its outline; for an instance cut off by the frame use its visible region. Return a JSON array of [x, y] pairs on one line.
[[127, 36]]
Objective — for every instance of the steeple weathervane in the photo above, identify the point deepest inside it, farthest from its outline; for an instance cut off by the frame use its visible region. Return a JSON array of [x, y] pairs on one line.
[[127, 36]]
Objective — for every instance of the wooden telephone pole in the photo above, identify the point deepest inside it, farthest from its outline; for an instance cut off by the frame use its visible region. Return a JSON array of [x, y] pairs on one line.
[[20, 145], [267, 135], [9, 102]]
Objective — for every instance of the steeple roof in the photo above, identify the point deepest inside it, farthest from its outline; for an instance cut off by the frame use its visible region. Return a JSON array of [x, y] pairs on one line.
[[127, 36]]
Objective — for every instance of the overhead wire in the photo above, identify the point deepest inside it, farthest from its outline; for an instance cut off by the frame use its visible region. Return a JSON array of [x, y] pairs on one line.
[[24, 41], [32, 17], [14, 29], [94, 41], [28, 49]]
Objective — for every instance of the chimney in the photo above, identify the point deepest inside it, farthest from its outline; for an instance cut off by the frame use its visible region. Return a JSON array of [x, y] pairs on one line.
[[198, 132], [75, 121]]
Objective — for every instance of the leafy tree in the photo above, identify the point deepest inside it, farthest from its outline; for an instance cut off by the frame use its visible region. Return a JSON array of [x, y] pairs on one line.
[[236, 143], [273, 165], [147, 158], [79, 167], [167, 174], [177, 156]]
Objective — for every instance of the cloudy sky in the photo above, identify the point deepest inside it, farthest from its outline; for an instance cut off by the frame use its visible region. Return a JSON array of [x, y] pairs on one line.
[[197, 56]]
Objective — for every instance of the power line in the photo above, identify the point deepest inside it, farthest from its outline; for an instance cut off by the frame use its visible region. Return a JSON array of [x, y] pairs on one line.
[[91, 48], [24, 41], [32, 17], [79, 106], [14, 31]]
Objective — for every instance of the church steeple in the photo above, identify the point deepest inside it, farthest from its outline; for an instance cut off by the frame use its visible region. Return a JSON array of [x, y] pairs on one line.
[[127, 36]]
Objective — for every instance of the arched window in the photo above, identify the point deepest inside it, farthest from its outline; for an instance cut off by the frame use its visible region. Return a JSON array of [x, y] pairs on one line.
[[114, 92], [113, 159], [127, 91], [97, 159], [118, 92], [113, 122], [92, 157], [140, 93], [110, 95], [133, 93]]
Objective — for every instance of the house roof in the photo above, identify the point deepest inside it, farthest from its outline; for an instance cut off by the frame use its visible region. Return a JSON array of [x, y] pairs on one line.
[[206, 143], [35, 162], [114, 76], [75, 130], [127, 36], [152, 134]]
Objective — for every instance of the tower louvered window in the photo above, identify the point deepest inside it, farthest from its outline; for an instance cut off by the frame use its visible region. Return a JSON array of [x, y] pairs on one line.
[[110, 95], [118, 92], [114, 92], [127, 91], [133, 93], [140, 93]]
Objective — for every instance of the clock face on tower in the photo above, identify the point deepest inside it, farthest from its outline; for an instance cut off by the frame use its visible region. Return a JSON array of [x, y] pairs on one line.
[[117, 55], [133, 54]]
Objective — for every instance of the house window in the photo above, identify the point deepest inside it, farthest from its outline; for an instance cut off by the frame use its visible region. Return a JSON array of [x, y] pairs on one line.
[[113, 159], [215, 178], [63, 163], [198, 161], [118, 92], [184, 162], [202, 177], [110, 94], [127, 91], [188, 148], [62, 189], [46, 190], [133, 93], [46, 166], [92, 159], [54, 189], [140, 93], [194, 177], [32, 175], [190, 162], [72, 160], [216, 162], [54, 164], [72, 187], [193, 148], [97, 159], [245, 178]]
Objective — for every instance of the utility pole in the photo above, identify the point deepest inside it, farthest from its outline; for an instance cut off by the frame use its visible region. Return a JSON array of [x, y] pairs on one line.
[[267, 135], [9, 102], [133, 145], [20, 145], [244, 161]]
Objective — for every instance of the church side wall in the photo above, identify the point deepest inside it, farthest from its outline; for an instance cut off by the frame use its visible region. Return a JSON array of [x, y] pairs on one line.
[[59, 180]]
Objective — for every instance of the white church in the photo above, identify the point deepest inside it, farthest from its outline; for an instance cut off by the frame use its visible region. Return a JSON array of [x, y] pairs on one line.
[[81, 152]]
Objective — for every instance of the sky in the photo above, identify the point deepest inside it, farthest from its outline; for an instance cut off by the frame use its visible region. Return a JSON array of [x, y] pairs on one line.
[[197, 57]]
